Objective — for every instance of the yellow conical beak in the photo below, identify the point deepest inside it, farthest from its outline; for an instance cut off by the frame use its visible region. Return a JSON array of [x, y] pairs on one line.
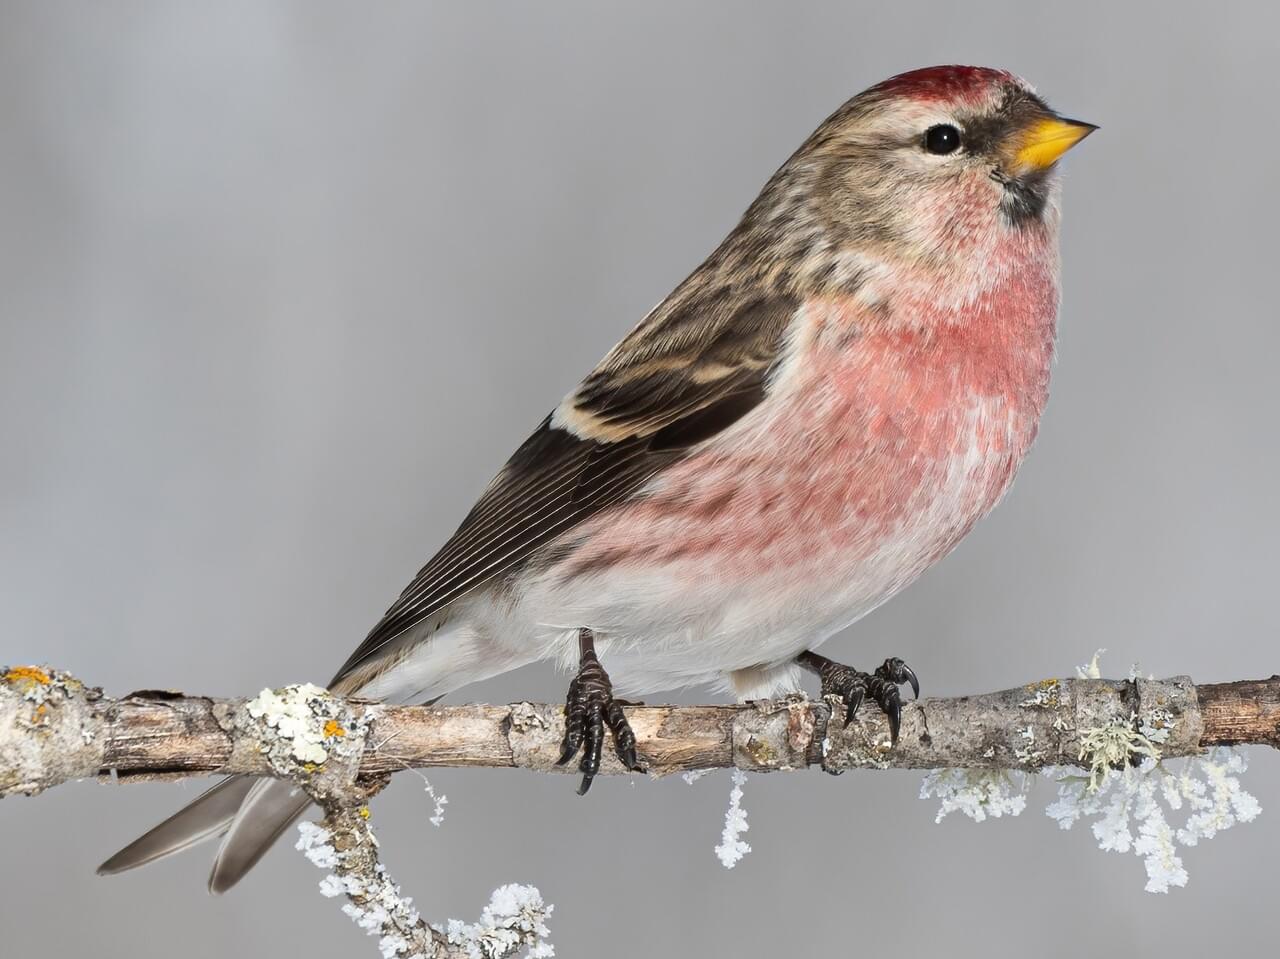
[[1046, 140]]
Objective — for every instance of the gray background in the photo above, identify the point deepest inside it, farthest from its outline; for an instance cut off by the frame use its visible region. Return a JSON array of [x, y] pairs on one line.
[[282, 284]]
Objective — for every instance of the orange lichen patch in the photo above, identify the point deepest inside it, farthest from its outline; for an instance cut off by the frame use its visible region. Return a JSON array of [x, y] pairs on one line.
[[28, 675], [1043, 694], [333, 729], [39, 716]]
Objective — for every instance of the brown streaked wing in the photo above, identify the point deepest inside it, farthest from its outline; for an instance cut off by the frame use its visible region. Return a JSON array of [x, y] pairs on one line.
[[684, 386], [681, 361]]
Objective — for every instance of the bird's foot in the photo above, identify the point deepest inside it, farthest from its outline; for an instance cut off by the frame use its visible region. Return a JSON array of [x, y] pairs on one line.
[[853, 686], [589, 707]]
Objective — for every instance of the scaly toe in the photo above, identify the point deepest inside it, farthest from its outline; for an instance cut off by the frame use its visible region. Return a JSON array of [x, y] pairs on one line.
[[624, 739], [853, 702]]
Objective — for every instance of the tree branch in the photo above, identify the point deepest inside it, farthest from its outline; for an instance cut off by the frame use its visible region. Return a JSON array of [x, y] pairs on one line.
[[57, 730], [54, 729]]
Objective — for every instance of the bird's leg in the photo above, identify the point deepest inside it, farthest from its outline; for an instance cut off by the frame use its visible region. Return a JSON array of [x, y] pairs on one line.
[[588, 708], [853, 686]]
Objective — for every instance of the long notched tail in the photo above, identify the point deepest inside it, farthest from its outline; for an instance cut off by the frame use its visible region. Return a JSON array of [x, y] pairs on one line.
[[252, 813]]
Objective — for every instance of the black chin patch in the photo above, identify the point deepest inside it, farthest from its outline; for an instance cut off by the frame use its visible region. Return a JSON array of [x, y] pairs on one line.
[[1024, 196]]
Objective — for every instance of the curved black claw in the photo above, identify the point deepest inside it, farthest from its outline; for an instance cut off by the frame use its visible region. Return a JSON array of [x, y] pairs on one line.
[[588, 708], [884, 690], [898, 672], [853, 686]]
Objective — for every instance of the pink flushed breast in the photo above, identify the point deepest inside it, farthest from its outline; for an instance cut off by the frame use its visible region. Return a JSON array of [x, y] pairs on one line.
[[873, 459]]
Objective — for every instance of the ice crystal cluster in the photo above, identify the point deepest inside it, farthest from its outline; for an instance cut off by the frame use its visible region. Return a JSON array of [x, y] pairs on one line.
[[1127, 791], [1206, 788], [978, 793], [515, 916], [439, 800], [732, 848], [314, 842], [380, 910]]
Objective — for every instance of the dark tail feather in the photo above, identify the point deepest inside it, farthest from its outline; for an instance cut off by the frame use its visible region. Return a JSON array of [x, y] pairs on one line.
[[268, 810], [207, 816]]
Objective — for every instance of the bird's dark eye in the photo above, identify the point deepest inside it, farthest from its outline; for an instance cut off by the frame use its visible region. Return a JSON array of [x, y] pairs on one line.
[[942, 139]]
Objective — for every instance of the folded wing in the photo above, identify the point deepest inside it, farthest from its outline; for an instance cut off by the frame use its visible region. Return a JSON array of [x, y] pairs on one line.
[[696, 365]]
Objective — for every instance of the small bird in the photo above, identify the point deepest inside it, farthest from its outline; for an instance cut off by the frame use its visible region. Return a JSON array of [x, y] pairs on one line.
[[818, 413]]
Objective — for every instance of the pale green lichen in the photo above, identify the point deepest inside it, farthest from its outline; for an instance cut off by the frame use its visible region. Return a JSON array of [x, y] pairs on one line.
[[1113, 746], [294, 713]]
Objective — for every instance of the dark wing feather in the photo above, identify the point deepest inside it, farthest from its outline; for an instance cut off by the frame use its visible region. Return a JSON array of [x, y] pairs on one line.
[[675, 384], [680, 362]]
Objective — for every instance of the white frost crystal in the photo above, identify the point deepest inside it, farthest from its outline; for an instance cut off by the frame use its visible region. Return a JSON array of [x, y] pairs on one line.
[[392, 945], [334, 885], [1207, 786], [1227, 805], [515, 916], [1130, 805], [440, 800], [732, 848], [315, 842], [382, 911], [978, 793]]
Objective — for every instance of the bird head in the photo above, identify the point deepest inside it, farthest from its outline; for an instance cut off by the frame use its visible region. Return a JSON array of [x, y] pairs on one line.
[[926, 167]]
